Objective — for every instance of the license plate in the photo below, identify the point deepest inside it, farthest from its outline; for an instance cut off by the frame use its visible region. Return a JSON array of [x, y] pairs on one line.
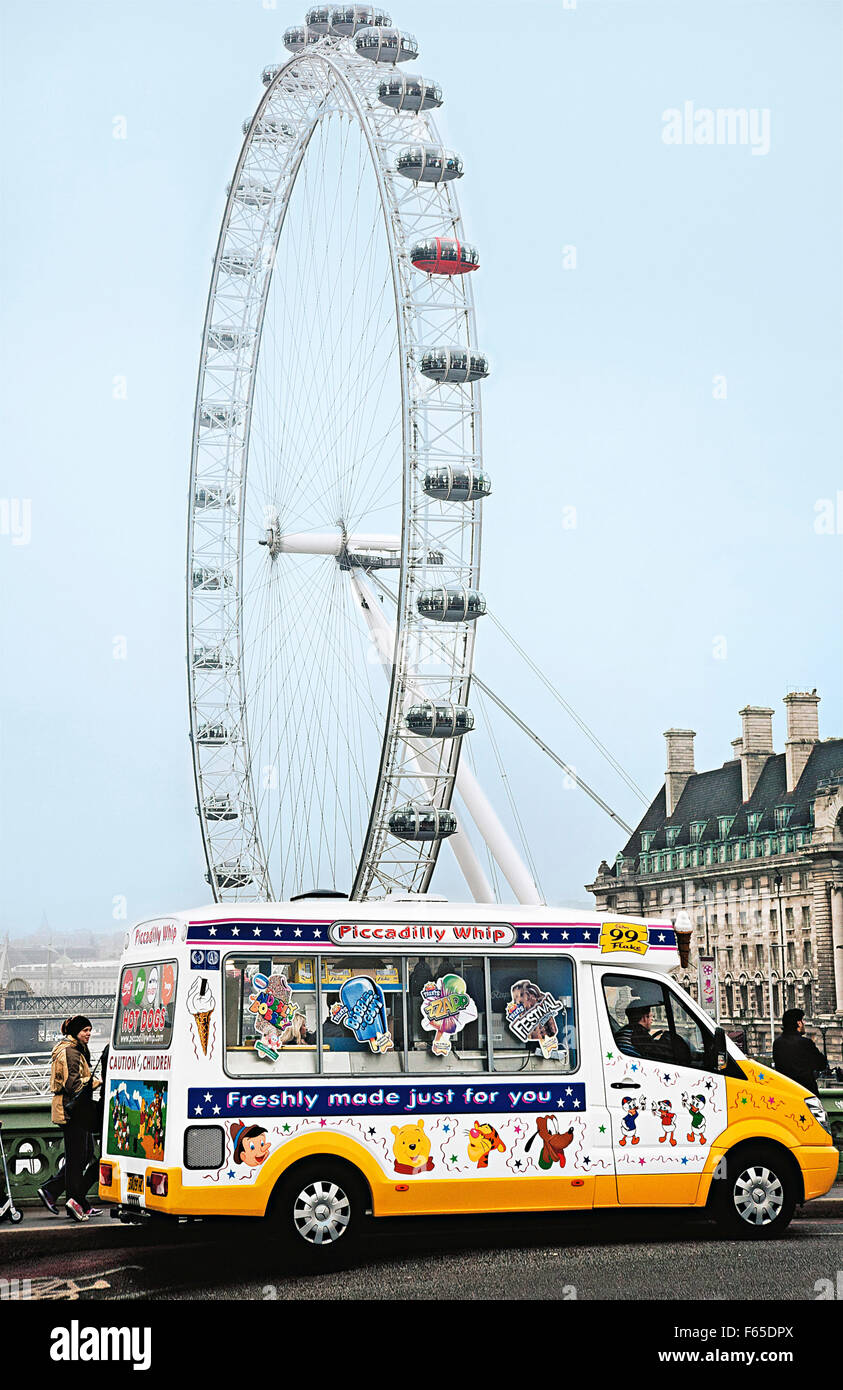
[[136, 1182]]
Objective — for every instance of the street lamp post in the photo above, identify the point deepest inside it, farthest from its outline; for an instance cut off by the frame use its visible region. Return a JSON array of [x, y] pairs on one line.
[[777, 880]]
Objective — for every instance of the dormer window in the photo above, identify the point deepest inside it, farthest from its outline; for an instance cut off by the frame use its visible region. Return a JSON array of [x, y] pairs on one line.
[[753, 821], [697, 828], [724, 824], [647, 837], [783, 814], [672, 835]]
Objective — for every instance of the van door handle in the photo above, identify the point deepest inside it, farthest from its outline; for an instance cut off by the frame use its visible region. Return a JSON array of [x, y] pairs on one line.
[[626, 1085]]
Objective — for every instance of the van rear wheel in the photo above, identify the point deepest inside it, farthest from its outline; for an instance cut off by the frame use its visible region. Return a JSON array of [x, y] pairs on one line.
[[320, 1208], [758, 1198]]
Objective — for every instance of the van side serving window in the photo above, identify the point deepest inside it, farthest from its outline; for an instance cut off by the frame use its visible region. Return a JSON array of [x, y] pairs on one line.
[[146, 1005], [649, 1021], [370, 1014]]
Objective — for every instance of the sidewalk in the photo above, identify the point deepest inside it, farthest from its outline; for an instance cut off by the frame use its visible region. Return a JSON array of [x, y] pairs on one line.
[[39, 1231]]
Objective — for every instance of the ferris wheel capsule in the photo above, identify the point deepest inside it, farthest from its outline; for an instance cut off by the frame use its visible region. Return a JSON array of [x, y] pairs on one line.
[[228, 339], [382, 45], [444, 255], [319, 19], [230, 875], [217, 415], [219, 808], [457, 483], [429, 164], [439, 720], [270, 73], [447, 364], [211, 658], [213, 735], [300, 37], [234, 263], [269, 130], [211, 579], [422, 823], [451, 605], [207, 497], [403, 92], [347, 19], [252, 194]]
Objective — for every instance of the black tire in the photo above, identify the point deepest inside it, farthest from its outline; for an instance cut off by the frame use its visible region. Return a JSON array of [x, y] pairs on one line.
[[15, 1215], [757, 1198], [319, 1212]]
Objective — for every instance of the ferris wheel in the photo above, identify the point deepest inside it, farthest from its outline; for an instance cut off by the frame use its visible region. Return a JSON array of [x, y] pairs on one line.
[[336, 483]]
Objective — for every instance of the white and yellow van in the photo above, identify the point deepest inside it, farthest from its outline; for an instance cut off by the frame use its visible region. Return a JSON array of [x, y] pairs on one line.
[[317, 1060]]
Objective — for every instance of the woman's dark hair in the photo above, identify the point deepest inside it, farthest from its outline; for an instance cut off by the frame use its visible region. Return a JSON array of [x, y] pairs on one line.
[[72, 1027]]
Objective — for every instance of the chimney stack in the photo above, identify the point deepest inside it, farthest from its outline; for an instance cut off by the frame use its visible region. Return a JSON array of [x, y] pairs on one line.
[[680, 764], [803, 731], [756, 745], [737, 748]]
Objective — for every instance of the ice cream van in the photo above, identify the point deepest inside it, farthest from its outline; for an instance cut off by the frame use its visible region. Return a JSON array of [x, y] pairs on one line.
[[319, 1062]]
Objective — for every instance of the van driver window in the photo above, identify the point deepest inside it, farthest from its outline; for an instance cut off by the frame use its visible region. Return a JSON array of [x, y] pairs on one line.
[[533, 1026], [362, 1015], [649, 1021], [270, 1016], [446, 1013]]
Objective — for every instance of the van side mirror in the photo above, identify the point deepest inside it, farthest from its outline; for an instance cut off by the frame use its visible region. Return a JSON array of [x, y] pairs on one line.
[[720, 1052]]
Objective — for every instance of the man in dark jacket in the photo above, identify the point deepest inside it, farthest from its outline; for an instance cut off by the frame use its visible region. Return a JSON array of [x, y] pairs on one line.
[[795, 1055]]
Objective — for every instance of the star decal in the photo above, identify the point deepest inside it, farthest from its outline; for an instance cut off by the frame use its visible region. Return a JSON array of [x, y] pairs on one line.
[[277, 931], [569, 1091], [743, 1100], [544, 936], [208, 1095], [634, 1066], [526, 935], [286, 1129], [642, 1161], [576, 1104], [454, 1158], [371, 1131], [212, 931], [586, 936], [256, 931], [661, 936], [216, 1110], [564, 936], [684, 1162], [518, 1163], [609, 1056], [446, 1128], [231, 1173], [235, 931], [602, 1129], [586, 1160], [297, 931], [517, 1129], [317, 934], [198, 1110], [322, 1122]]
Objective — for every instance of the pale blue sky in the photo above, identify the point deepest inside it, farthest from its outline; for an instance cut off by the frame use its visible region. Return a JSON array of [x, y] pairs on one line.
[[695, 516]]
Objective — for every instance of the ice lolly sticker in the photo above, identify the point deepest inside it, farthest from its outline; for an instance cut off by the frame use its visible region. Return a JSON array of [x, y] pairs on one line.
[[201, 1003], [531, 1016], [446, 1009], [279, 1020], [362, 1008]]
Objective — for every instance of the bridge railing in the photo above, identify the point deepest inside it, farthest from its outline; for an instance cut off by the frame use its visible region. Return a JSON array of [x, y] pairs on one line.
[[24, 1074]]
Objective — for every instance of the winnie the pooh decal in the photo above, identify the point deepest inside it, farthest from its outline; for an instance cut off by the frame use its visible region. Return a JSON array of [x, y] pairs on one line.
[[411, 1149]]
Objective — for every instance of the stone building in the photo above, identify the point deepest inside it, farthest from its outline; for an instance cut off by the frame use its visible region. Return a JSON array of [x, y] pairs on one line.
[[753, 852]]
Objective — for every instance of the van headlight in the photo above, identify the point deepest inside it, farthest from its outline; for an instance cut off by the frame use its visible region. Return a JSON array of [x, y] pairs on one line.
[[816, 1108]]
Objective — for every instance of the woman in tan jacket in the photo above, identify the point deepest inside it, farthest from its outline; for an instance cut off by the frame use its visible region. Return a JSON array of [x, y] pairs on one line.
[[70, 1073]]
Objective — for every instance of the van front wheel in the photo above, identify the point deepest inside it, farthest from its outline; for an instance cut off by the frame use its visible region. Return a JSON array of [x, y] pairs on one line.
[[321, 1207], [758, 1198]]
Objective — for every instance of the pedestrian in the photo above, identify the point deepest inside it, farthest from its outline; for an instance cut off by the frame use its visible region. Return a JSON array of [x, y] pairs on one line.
[[70, 1076], [795, 1055]]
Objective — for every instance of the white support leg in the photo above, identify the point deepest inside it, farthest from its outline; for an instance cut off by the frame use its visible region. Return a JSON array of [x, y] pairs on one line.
[[473, 797]]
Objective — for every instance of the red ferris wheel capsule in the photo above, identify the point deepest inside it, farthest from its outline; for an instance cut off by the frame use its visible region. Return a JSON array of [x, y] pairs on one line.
[[443, 255]]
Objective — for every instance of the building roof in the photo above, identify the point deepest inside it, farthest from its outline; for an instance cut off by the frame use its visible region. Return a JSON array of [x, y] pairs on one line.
[[709, 795]]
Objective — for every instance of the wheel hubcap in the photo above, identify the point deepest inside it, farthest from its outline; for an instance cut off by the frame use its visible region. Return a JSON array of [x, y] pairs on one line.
[[759, 1196], [321, 1213]]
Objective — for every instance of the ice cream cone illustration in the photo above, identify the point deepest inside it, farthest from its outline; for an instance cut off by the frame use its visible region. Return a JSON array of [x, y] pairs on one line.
[[201, 1003]]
